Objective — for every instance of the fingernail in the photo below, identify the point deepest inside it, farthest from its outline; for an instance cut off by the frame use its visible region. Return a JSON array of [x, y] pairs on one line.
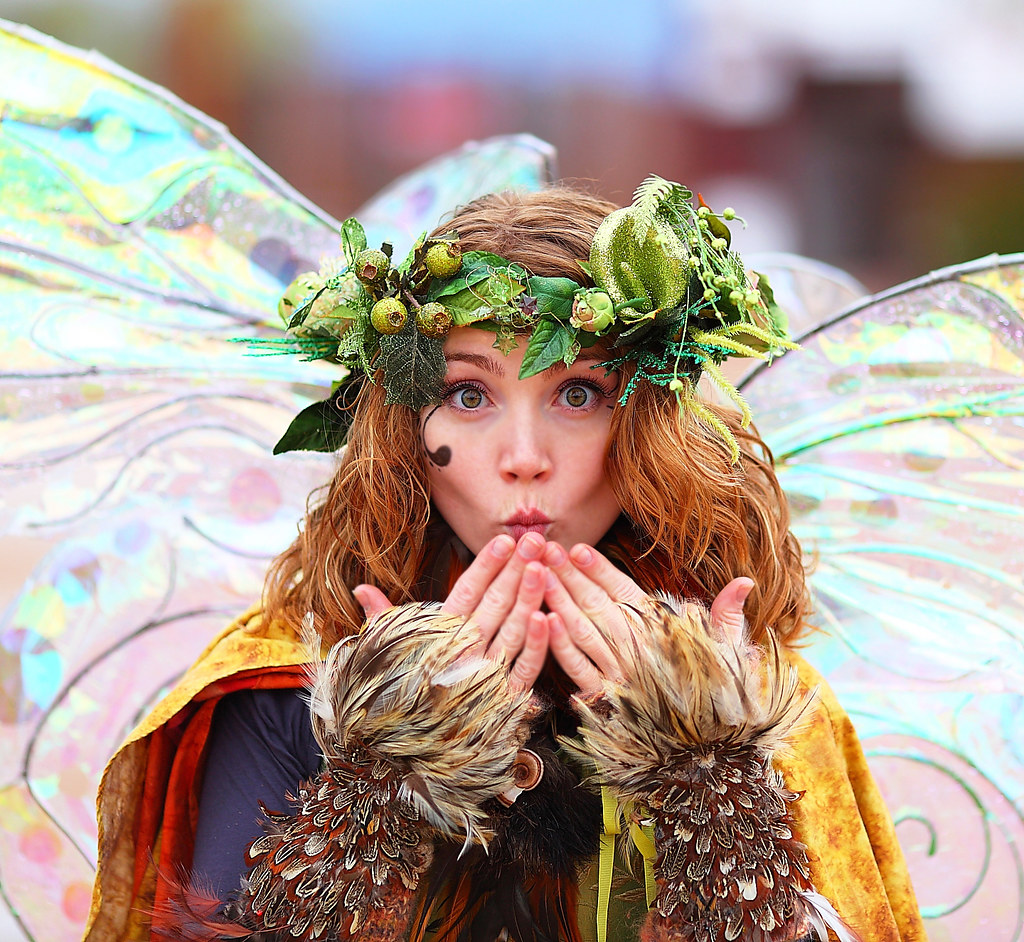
[[744, 592], [532, 576], [551, 582], [503, 546], [531, 546], [555, 555], [583, 555]]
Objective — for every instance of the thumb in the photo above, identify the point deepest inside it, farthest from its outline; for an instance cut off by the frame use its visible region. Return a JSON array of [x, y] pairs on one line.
[[727, 608], [372, 599]]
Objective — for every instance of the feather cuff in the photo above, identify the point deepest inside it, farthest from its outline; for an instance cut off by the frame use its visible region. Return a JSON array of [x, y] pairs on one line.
[[418, 732], [690, 736]]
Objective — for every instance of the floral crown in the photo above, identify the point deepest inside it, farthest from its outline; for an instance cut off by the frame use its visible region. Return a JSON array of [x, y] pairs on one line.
[[669, 297]]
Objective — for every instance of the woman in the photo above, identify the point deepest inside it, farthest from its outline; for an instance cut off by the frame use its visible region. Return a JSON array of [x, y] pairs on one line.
[[542, 467]]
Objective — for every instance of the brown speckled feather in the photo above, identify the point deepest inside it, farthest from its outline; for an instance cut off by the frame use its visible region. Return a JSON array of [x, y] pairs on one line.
[[418, 733], [690, 737]]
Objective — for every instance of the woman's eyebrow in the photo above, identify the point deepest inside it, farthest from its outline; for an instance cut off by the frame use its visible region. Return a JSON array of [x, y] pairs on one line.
[[479, 360]]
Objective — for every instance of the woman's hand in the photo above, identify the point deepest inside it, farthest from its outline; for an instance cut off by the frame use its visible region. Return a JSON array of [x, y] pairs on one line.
[[590, 622], [501, 593]]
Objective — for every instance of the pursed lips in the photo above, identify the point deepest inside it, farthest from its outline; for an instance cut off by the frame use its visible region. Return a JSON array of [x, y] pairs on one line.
[[526, 521]]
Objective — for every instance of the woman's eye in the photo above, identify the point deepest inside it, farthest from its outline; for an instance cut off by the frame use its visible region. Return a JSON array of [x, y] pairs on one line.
[[578, 396], [468, 397]]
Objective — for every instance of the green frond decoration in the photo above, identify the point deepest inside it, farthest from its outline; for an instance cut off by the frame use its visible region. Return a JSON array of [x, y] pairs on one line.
[[703, 414], [657, 198], [647, 201], [716, 375], [309, 348], [725, 344]]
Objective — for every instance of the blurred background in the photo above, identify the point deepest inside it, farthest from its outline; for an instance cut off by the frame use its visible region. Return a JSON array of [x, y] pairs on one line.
[[883, 136]]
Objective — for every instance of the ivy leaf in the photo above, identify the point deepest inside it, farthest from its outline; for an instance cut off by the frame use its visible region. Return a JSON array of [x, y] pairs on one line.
[[323, 426], [549, 343], [414, 367], [353, 239], [553, 295]]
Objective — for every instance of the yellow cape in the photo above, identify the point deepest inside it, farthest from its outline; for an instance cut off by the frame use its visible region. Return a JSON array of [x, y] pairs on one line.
[[147, 802]]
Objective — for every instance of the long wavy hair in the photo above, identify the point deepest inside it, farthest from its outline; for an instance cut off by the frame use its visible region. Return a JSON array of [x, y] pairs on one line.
[[691, 519]]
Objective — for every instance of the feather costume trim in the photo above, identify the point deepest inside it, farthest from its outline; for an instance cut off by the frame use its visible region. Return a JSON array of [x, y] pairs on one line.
[[412, 691], [690, 736], [418, 732]]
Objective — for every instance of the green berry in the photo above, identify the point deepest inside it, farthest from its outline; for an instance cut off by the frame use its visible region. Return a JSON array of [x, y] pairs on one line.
[[704, 211], [710, 294], [718, 244], [371, 266], [752, 298], [389, 316], [433, 320], [693, 262], [677, 385], [728, 213], [443, 259], [736, 296]]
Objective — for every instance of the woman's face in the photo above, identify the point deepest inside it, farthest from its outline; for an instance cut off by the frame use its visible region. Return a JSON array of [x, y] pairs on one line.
[[507, 455]]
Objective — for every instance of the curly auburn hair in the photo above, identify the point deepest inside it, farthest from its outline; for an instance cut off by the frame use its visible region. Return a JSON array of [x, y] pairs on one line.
[[691, 519]]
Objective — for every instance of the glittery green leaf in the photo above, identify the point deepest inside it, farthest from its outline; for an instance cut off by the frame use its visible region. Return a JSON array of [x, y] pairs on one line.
[[476, 267], [413, 366], [353, 239]]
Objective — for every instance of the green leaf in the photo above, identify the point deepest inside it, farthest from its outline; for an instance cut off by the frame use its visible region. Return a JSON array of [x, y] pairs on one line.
[[472, 261], [777, 315], [468, 307], [323, 426], [414, 367], [353, 239], [548, 345], [477, 270], [553, 295]]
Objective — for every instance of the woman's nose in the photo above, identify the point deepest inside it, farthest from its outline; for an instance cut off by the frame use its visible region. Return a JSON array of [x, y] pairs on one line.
[[525, 452]]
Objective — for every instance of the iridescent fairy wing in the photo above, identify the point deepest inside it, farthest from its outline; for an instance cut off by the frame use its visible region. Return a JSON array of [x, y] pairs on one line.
[[809, 291], [899, 434], [136, 238]]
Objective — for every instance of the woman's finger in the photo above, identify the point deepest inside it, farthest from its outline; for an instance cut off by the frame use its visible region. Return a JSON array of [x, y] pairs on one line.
[[577, 666], [727, 609], [372, 600], [528, 665], [510, 636], [600, 571], [471, 586], [597, 588], [581, 629], [500, 597]]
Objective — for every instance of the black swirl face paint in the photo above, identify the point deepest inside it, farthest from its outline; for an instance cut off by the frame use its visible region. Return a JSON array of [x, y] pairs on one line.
[[443, 455]]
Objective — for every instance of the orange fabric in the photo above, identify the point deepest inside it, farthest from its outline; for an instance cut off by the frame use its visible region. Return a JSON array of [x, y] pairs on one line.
[[147, 805]]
